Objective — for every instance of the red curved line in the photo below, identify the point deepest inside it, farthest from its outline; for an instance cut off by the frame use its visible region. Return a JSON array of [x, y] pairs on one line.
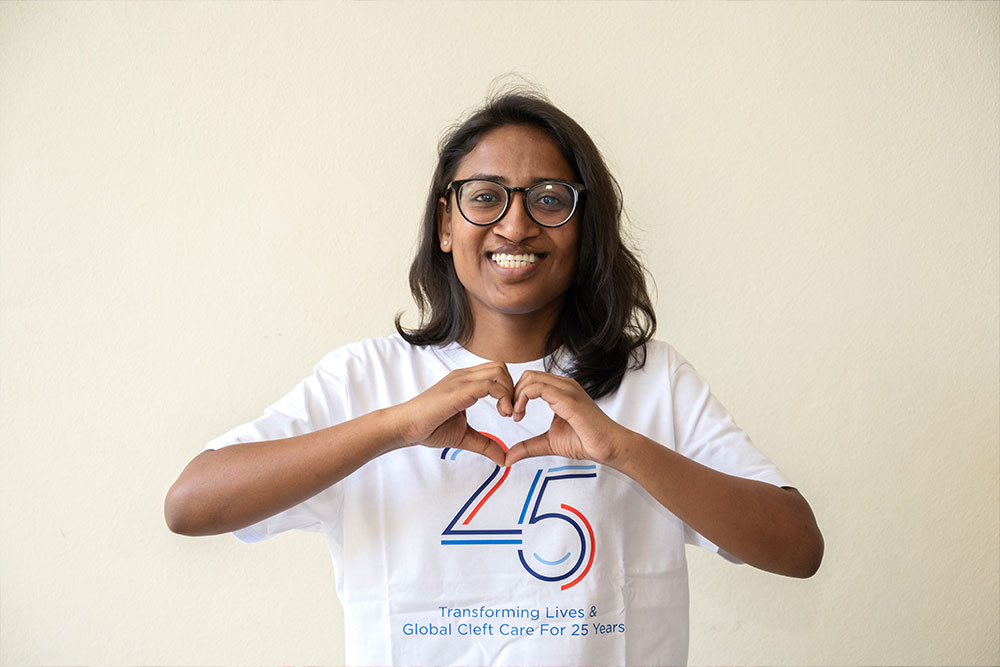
[[495, 439], [593, 547], [495, 486]]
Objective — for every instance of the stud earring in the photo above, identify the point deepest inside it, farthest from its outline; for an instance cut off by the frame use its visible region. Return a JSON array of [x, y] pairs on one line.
[[445, 242]]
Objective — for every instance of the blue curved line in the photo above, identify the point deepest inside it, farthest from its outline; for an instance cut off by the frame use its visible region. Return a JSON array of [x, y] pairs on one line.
[[455, 454], [550, 562]]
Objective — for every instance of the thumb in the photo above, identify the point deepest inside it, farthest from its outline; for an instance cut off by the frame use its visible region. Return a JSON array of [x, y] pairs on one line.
[[538, 445], [474, 441]]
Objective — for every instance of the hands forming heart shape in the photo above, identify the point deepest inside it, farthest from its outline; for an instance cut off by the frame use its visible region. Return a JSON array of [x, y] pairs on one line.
[[579, 429]]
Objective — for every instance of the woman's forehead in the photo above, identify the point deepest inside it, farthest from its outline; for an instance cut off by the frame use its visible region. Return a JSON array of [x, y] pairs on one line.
[[515, 153]]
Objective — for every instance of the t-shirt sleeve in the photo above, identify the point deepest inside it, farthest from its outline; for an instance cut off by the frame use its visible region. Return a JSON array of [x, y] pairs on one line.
[[316, 402], [705, 432]]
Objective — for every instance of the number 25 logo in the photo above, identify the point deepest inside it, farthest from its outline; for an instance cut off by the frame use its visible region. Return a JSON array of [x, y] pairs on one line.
[[567, 523]]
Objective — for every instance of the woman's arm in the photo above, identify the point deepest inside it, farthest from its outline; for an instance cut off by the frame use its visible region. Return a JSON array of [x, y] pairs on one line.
[[230, 488], [763, 525], [233, 487], [766, 526]]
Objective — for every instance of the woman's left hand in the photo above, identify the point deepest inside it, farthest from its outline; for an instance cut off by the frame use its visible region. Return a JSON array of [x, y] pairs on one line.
[[766, 526], [579, 430]]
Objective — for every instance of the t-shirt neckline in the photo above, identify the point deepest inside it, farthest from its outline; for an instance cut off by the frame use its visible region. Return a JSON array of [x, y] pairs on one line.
[[456, 356]]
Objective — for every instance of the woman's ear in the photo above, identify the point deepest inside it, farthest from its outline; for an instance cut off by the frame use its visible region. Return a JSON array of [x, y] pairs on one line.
[[444, 225]]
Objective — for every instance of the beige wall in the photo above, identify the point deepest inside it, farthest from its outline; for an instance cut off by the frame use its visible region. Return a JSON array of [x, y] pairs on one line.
[[197, 201]]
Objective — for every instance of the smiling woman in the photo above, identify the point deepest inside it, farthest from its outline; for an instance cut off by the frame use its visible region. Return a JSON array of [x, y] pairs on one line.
[[533, 360], [607, 316], [503, 288]]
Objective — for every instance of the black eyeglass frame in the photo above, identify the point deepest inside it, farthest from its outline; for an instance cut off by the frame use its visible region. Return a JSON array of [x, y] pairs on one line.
[[577, 188]]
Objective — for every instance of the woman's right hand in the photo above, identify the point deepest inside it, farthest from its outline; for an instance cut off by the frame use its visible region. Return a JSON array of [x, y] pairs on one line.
[[436, 418]]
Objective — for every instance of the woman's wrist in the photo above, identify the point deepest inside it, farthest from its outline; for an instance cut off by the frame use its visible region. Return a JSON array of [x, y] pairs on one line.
[[628, 453], [393, 424], [619, 447]]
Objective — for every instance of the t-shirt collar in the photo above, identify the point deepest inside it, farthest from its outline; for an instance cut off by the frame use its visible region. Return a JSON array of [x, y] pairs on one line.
[[456, 356]]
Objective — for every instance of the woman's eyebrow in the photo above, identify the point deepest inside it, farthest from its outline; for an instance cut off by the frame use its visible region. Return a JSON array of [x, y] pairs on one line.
[[500, 179], [488, 177]]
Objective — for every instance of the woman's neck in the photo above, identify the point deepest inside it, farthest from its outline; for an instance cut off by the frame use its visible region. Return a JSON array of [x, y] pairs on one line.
[[511, 338]]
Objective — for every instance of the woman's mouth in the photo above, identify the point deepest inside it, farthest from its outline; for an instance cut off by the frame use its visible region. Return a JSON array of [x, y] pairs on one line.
[[508, 261]]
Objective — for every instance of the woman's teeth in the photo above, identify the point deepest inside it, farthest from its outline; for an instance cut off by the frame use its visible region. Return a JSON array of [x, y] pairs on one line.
[[513, 261]]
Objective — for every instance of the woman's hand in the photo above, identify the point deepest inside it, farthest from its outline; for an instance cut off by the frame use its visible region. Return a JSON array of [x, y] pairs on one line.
[[579, 430], [766, 526], [436, 418]]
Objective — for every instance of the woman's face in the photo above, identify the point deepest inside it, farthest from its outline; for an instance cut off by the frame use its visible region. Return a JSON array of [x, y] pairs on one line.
[[517, 156]]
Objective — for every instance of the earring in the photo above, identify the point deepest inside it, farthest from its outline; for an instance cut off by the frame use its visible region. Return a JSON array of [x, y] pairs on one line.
[[446, 242]]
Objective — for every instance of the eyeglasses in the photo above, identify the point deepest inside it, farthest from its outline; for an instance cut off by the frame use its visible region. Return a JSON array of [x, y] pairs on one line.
[[548, 203]]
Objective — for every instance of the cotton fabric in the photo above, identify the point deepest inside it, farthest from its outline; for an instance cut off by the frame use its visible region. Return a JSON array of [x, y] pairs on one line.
[[442, 557]]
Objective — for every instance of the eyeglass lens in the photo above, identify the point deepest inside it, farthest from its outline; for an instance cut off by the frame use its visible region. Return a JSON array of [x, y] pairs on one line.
[[549, 203]]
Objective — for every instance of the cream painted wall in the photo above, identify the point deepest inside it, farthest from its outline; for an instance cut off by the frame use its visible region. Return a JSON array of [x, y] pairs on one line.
[[192, 214]]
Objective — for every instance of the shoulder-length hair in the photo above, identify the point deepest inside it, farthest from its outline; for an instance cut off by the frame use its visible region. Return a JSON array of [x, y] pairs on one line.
[[607, 315]]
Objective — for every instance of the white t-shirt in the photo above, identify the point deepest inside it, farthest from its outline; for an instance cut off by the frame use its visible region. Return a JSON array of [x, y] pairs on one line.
[[443, 558]]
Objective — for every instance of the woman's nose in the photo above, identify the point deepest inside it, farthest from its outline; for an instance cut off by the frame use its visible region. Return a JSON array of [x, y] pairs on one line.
[[516, 225]]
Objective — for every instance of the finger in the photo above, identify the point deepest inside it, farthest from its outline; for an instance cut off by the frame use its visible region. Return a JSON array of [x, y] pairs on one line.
[[456, 392], [538, 445], [495, 387], [502, 389], [474, 441], [494, 380], [538, 385], [505, 403]]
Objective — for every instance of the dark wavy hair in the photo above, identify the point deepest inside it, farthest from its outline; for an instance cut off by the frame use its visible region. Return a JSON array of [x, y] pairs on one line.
[[607, 315]]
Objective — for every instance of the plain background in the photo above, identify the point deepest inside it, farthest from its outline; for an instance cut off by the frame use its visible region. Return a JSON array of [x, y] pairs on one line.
[[198, 201]]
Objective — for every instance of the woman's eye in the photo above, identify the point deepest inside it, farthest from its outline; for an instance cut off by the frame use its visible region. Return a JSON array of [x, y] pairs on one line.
[[551, 196], [483, 197], [548, 200]]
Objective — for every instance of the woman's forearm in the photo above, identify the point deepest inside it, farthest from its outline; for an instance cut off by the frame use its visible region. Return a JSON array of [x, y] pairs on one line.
[[766, 526], [236, 486], [227, 489]]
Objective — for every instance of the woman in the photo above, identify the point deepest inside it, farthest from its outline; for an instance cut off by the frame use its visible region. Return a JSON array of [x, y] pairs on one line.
[[566, 457]]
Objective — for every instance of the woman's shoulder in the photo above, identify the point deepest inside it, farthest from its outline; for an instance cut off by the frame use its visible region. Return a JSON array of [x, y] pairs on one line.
[[662, 357]]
